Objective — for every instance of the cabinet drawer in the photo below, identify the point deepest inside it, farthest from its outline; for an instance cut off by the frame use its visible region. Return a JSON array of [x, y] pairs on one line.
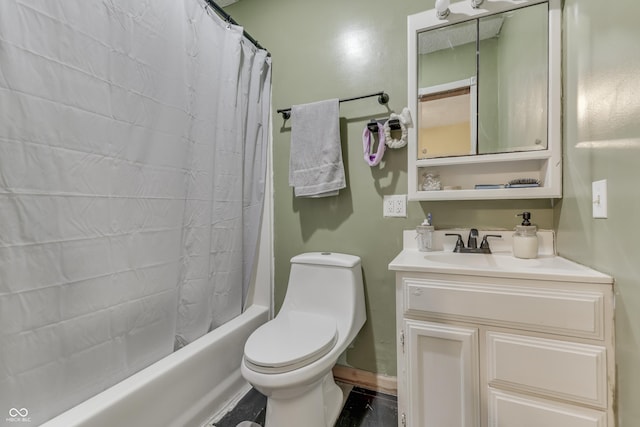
[[566, 370], [572, 313], [509, 409]]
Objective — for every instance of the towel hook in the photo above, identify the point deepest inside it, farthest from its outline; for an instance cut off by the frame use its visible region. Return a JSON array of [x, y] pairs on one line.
[[394, 124]]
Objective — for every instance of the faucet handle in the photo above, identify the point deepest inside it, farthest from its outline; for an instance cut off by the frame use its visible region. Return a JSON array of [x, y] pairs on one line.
[[459, 242], [485, 242]]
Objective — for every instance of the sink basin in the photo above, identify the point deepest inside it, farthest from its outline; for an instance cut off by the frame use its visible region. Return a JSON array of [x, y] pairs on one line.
[[499, 264], [502, 262], [498, 261]]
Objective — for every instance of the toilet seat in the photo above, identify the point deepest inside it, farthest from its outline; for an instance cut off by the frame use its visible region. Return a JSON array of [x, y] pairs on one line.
[[290, 341]]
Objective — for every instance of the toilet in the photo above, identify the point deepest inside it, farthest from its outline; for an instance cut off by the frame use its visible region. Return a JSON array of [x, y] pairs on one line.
[[290, 358]]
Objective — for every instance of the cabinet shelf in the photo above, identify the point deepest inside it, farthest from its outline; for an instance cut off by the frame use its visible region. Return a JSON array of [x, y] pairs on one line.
[[490, 194], [465, 174]]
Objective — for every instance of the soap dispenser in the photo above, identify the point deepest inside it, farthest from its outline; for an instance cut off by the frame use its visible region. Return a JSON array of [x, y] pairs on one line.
[[525, 239], [425, 235]]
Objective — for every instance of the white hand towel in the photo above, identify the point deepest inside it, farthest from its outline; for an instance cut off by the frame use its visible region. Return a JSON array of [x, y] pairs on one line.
[[315, 162]]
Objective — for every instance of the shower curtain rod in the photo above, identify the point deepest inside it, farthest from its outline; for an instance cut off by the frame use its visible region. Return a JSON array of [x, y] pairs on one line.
[[383, 98], [229, 19]]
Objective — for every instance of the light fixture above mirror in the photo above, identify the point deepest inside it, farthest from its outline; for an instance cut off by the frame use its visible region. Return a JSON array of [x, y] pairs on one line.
[[442, 8]]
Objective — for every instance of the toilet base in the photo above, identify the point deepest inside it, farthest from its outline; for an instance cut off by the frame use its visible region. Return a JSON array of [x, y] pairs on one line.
[[319, 406]]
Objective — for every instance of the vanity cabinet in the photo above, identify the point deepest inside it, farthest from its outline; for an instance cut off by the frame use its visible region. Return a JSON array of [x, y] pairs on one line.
[[498, 351]]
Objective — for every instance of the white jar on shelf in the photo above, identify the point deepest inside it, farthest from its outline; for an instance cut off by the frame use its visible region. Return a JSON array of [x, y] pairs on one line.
[[430, 181]]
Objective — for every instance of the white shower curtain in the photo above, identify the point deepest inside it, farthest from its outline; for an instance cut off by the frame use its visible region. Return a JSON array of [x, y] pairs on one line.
[[132, 146], [223, 209]]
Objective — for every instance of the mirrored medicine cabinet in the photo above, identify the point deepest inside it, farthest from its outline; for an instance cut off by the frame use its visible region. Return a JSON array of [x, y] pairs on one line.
[[484, 90]]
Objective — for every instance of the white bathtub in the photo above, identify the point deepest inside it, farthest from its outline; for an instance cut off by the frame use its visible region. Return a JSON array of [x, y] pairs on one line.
[[188, 387], [184, 389]]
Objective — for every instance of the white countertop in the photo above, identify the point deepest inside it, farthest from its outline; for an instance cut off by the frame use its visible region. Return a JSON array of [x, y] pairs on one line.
[[501, 263]]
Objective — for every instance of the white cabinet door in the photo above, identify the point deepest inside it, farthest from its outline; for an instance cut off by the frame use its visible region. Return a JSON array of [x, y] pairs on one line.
[[443, 383], [511, 410]]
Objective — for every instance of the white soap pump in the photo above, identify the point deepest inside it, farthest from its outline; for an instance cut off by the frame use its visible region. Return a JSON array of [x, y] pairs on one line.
[[525, 239], [425, 235]]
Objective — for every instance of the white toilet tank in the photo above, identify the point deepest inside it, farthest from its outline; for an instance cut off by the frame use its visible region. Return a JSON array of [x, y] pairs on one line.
[[328, 283]]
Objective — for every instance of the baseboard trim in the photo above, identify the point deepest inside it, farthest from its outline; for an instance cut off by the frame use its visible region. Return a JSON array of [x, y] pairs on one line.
[[365, 379]]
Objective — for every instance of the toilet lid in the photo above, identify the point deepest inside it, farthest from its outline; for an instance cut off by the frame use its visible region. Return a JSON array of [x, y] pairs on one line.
[[290, 341]]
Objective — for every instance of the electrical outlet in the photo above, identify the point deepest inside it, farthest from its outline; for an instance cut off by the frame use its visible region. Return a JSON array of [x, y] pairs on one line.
[[395, 206]]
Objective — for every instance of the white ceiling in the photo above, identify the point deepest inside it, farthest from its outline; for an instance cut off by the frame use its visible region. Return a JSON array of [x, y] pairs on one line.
[[459, 34]]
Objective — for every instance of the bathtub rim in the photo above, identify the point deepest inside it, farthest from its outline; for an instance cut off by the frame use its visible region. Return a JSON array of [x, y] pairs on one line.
[[101, 409]]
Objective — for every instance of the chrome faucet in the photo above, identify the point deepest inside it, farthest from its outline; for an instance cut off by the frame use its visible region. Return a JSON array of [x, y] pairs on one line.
[[472, 243]]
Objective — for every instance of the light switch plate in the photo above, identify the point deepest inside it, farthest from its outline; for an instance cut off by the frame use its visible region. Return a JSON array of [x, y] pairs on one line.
[[599, 197], [395, 206]]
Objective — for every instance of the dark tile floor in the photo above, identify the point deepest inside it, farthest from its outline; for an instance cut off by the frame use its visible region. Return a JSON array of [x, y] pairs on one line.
[[252, 407], [363, 408]]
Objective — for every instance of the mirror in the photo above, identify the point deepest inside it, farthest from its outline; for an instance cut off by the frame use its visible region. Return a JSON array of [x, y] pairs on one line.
[[447, 91], [483, 85]]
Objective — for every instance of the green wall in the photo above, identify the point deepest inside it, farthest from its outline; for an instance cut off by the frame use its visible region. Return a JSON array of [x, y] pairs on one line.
[[339, 49], [522, 78], [601, 85]]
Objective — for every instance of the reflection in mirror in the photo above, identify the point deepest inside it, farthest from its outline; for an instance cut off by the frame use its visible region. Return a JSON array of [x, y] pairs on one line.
[[447, 91], [507, 54], [447, 120], [447, 54], [513, 81]]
